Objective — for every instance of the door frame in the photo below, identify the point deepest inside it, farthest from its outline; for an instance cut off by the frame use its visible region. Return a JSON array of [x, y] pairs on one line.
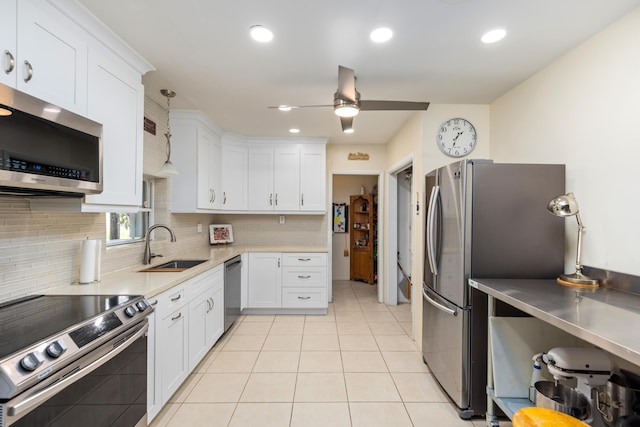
[[381, 222]]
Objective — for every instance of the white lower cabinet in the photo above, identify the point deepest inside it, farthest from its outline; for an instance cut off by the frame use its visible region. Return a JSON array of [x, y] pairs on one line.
[[281, 281], [206, 315], [187, 322]]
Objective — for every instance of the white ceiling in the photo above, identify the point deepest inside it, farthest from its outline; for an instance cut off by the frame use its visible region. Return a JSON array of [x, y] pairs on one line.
[[202, 50]]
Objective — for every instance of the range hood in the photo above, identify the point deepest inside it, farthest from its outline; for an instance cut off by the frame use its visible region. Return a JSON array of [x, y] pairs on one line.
[[46, 150]]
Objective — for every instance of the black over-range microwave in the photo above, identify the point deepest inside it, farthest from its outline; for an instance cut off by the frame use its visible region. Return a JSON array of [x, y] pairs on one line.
[[46, 150]]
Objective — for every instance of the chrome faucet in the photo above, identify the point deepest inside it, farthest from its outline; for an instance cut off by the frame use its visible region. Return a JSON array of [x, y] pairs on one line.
[[148, 256]]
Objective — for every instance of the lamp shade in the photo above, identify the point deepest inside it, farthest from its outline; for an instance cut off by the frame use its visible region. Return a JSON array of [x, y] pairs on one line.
[[168, 169], [565, 205]]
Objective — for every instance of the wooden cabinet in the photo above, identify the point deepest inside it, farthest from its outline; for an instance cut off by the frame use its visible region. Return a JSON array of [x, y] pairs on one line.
[[116, 99], [206, 314], [196, 153], [50, 56], [281, 281], [234, 177], [363, 237]]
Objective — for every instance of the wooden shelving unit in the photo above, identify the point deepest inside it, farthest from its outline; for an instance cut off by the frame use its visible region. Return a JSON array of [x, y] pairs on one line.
[[364, 243]]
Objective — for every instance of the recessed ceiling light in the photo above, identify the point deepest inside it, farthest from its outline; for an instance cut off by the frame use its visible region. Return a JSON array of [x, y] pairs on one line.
[[381, 35], [294, 130], [494, 35], [285, 107], [261, 34], [348, 130]]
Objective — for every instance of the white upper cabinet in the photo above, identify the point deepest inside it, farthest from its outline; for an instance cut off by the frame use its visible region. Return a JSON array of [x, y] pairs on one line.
[[313, 178], [260, 188], [287, 177], [8, 44], [51, 56], [234, 176], [196, 153], [116, 99]]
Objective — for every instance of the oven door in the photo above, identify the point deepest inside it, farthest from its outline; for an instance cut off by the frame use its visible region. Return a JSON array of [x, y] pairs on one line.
[[107, 387]]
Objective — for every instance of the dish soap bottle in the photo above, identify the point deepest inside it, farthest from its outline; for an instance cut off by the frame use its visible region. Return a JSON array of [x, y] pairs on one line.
[[536, 375]]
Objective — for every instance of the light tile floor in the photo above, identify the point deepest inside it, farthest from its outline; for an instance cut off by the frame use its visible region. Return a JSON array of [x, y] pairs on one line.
[[355, 366]]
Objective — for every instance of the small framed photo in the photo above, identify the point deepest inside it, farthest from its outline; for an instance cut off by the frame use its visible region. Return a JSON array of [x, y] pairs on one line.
[[220, 233]]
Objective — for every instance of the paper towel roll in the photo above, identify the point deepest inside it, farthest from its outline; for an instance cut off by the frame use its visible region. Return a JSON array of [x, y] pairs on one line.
[[88, 261]]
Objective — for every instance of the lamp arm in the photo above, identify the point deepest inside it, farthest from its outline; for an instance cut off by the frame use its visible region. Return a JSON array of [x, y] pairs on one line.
[[581, 228]]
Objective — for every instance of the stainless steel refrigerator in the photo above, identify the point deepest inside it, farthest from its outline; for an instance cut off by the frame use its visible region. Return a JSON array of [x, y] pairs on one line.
[[484, 220]]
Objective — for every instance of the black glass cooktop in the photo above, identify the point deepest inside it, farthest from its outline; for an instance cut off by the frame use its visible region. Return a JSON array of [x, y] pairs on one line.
[[30, 320]]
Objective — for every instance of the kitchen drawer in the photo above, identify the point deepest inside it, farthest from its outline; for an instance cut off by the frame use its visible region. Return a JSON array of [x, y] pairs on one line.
[[304, 297], [304, 259], [304, 276], [170, 301]]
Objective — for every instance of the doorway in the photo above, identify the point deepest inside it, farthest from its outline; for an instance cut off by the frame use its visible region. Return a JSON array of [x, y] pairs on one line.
[[342, 185]]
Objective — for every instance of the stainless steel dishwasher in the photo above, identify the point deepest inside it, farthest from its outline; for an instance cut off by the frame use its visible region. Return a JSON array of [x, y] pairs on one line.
[[232, 278]]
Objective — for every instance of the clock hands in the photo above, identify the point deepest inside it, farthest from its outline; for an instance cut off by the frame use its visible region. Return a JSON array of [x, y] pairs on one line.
[[456, 138]]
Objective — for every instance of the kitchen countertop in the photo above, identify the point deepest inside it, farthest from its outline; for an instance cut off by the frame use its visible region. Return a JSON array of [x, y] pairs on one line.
[[134, 282], [605, 317]]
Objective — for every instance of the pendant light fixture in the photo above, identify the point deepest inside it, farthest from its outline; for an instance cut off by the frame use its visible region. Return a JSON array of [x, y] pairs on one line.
[[167, 168]]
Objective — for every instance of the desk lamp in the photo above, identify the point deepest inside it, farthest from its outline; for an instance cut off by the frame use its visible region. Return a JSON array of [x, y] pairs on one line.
[[563, 206]]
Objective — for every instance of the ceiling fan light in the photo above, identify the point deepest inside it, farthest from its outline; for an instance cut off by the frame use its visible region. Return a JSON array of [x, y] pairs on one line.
[[261, 34], [346, 110]]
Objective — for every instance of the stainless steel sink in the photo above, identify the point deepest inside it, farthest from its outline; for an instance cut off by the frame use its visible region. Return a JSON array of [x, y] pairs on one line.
[[174, 266]]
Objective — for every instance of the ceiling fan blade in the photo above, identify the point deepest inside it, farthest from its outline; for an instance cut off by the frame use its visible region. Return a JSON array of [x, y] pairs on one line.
[[392, 105], [346, 84], [347, 123]]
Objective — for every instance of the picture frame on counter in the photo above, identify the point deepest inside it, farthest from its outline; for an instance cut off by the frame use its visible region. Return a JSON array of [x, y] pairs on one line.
[[220, 233]]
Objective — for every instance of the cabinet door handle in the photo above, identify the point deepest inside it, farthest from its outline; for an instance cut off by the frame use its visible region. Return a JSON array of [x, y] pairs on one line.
[[302, 199], [276, 199], [278, 262], [304, 259], [176, 298], [224, 197], [304, 277], [270, 199], [29, 75], [12, 62], [154, 303], [213, 303], [177, 317], [305, 298]]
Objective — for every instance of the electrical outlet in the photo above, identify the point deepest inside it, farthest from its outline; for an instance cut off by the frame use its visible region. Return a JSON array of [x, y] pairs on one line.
[[199, 228], [281, 219]]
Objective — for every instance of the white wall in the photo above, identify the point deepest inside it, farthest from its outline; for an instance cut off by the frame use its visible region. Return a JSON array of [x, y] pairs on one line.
[[584, 110]]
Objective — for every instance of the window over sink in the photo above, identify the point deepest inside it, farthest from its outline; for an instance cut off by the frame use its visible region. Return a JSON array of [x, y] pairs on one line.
[[130, 227]]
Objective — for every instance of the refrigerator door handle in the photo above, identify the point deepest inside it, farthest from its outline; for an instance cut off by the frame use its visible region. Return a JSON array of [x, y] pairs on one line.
[[431, 238], [433, 302]]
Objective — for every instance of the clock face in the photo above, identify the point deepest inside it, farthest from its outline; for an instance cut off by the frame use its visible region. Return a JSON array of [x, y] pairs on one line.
[[456, 137]]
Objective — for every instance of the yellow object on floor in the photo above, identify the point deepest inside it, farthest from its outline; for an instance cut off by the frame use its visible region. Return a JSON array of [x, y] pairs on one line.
[[542, 417]]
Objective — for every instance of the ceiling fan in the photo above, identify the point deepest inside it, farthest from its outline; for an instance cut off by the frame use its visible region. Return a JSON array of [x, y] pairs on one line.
[[347, 103]]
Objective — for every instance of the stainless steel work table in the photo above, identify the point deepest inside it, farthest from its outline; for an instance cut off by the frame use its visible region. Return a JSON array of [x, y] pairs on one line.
[[606, 317]]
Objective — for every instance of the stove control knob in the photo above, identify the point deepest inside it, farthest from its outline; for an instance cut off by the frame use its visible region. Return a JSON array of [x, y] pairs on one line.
[[142, 305], [31, 361], [56, 348], [130, 311]]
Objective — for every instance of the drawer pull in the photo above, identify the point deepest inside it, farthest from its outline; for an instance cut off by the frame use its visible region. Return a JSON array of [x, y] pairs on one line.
[[177, 317], [154, 303], [12, 62], [176, 298], [304, 277], [304, 259], [304, 298]]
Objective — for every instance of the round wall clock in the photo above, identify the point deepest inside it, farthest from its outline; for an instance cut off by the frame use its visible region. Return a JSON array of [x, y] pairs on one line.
[[456, 137]]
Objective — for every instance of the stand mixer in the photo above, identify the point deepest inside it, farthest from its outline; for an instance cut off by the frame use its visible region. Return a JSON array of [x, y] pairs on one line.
[[591, 367]]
